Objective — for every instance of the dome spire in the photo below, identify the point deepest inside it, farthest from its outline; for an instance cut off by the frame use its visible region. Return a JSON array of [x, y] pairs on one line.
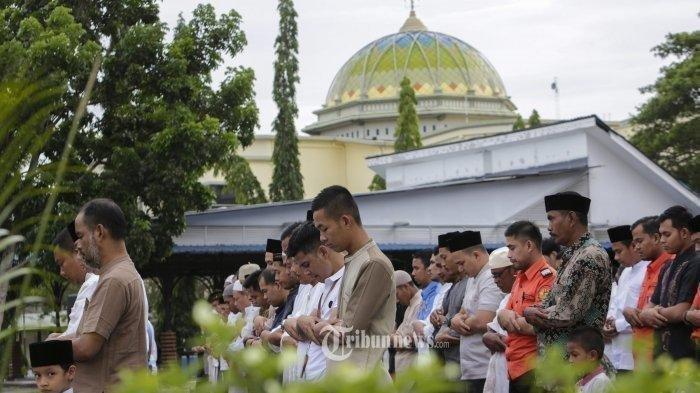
[[412, 23]]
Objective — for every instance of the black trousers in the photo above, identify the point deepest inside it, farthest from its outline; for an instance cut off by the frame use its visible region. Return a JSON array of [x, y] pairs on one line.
[[522, 384], [475, 385]]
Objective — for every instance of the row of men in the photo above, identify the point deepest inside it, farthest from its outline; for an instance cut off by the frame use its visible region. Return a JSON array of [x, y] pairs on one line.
[[462, 301], [328, 280]]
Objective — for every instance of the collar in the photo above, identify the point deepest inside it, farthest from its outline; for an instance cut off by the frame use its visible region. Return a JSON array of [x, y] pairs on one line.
[[590, 376], [336, 276], [114, 262], [367, 245], [660, 260], [535, 268], [686, 254], [417, 298], [430, 288], [639, 265]]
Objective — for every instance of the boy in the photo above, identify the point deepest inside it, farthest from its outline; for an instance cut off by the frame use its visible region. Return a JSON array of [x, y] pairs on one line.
[[585, 349], [53, 366]]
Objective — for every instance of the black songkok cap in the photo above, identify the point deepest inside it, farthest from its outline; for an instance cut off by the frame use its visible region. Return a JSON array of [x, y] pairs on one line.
[[464, 240], [71, 230], [309, 215], [620, 234], [51, 353], [695, 224], [567, 201], [274, 246], [444, 238]]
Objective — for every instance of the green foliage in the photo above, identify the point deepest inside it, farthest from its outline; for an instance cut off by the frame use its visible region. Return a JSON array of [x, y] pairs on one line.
[[519, 123], [287, 181], [534, 119], [667, 124], [378, 183], [158, 123], [407, 136], [242, 182]]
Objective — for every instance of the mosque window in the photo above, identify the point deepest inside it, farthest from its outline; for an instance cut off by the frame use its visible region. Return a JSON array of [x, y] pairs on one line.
[[386, 131], [434, 127], [368, 132], [425, 129], [377, 133]]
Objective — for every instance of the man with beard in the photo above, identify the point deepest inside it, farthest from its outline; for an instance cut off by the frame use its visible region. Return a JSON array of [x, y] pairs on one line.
[[581, 291], [367, 300], [111, 336]]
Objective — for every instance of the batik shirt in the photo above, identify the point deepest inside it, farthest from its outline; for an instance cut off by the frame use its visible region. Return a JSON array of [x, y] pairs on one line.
[[580, 294]]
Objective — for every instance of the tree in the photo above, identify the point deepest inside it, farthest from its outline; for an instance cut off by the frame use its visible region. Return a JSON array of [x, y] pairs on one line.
[[534, 119], [407, 135], [667, 124], [287, 181], [156, 122], [519, 123]]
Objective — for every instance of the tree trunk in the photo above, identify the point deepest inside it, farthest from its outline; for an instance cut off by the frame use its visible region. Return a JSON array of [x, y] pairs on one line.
[[5, 265]]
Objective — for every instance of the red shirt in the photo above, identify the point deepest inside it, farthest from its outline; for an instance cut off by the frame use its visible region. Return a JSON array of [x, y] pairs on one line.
[[529, 288], [648, 285]]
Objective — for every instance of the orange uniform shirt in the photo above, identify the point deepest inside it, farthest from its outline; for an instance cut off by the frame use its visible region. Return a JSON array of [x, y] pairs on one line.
[[696, 306], [530, 287], [651, 278]]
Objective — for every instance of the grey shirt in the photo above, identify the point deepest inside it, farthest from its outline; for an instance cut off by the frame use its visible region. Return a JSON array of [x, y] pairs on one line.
[[453, 300]]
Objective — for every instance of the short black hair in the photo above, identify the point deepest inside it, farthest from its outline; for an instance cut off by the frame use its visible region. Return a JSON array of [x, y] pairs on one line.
[[680, 217], [549, 246], [268, 275], [526, 229], [589, 338], [288, 230], [251, 282], [63, 240], [336, 201], [650, 225], [306, 238], [424, 257], [105, 212]]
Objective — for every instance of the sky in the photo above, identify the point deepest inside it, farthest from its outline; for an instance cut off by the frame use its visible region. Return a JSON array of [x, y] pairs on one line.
[[599, 50]]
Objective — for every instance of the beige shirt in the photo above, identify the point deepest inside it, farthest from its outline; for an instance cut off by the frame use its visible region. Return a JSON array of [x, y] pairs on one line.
[[115, 312], [404, 356], [367, 304]]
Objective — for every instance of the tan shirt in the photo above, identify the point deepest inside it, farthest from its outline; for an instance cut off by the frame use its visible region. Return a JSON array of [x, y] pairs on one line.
[[115, 312], [404, 356], [367, 302]]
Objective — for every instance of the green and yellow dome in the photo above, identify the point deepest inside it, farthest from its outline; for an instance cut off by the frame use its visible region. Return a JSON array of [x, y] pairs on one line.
[[436, 64]]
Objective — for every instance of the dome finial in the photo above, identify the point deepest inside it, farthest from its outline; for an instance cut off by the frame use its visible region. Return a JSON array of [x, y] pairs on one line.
[[412, 23]]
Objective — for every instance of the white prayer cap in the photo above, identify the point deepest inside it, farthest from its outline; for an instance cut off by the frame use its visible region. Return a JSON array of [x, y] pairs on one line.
[[237, 286], [228, 291], [499, 258], [401, 277], [229, 280]]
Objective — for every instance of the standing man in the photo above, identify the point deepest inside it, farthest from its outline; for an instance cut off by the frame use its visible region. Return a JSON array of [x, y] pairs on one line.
[[367, 300], [481, 300], [678, 282], [112, 333], [647, 243], [407, 294], [72, 267], [429, 287], [617, 330], [316, 260], [495, 338], [447, 337], [532, 284], [581, 292]]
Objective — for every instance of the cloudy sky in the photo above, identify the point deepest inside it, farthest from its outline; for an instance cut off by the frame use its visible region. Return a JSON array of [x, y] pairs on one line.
[[598, 49]]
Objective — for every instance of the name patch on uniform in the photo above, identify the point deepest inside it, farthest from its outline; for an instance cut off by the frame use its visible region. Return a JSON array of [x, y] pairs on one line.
[[546, 272]]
